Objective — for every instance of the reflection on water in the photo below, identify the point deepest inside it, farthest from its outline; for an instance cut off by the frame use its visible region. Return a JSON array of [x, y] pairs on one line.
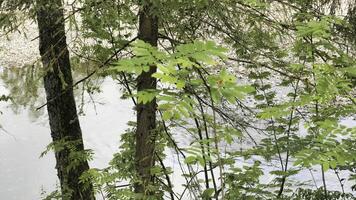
[[24, 85], [23, 173]]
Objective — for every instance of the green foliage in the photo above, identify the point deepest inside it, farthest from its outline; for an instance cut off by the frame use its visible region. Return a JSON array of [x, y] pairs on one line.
[[13, 14], [194, 85], [243, 183], [297, 67], [75, 157], [319, 195], [175, 69], [328, 148], [118, 179], [55, 195]]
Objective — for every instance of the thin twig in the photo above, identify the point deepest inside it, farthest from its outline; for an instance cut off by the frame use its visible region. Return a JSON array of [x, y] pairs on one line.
[[90, 74]]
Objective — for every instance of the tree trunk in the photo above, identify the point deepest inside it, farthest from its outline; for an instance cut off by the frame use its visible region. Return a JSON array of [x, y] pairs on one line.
[[146, 113], [63, 118]]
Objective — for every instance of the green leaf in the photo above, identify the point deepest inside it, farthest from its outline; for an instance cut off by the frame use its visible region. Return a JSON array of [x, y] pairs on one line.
[[190, 160], [326, 166], [146, 96], [167, 115], [208, 193], [155, 170]]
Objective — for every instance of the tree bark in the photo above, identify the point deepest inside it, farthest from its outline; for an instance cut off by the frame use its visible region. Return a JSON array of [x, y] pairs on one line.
[[146, 113], [61, 107]]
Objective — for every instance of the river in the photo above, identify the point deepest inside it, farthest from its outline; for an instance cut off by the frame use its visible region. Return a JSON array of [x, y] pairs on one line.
[[24, 175]]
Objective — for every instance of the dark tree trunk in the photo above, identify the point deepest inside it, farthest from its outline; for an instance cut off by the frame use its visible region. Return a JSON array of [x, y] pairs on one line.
[[63, 118], [146, 113]]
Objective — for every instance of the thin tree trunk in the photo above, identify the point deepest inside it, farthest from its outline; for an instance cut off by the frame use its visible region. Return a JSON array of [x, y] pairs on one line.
[[63, 118], [146, 113]]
